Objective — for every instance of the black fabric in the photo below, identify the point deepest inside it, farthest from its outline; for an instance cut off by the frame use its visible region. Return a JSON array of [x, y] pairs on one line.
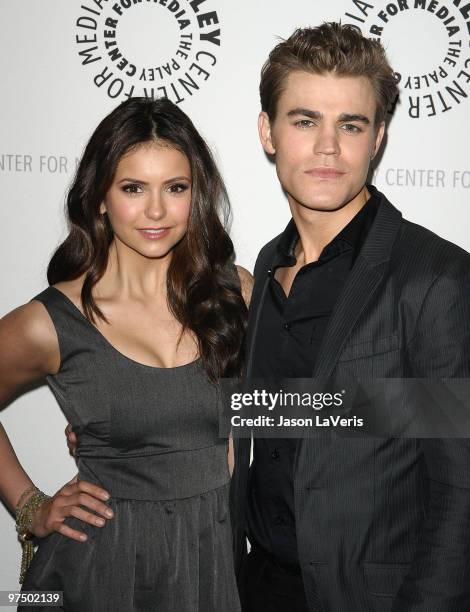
[[382, 525], [290, 332], [271, 587]]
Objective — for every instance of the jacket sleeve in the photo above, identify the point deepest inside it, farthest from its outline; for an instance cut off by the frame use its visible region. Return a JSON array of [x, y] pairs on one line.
[[439, 579]]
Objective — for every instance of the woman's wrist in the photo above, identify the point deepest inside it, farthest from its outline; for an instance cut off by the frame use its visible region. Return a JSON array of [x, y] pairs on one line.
[[24, 518], [25, 513], [30, 490]]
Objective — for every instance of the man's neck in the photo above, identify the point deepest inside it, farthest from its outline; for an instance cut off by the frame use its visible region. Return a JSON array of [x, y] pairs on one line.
[[318, 228]]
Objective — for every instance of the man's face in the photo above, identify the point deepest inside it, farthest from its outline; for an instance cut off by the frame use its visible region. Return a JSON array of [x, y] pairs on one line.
[[323, 138]]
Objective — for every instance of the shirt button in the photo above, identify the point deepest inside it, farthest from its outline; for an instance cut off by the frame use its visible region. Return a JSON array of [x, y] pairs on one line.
[[275, 454], [286, 326]]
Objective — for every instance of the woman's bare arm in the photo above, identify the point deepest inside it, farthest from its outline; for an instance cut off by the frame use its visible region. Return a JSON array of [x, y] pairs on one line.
[[246, 282], [29, 351]]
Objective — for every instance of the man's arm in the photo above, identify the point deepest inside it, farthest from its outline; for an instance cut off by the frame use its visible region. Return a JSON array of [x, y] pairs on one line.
[[439, 579]]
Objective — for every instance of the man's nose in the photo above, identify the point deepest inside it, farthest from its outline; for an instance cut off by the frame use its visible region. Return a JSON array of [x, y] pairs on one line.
[[326, 141]]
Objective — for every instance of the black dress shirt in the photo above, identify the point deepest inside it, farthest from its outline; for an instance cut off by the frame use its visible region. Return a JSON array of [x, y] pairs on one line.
[[287, 344]]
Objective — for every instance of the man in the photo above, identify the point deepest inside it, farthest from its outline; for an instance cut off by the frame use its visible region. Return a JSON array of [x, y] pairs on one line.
[[349, 289]]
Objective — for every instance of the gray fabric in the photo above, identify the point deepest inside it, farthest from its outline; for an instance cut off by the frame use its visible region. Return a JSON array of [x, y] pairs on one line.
[[150, 437]]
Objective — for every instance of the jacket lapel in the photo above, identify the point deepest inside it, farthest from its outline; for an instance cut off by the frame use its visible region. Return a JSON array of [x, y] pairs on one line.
[[361, 285], [359, 289]]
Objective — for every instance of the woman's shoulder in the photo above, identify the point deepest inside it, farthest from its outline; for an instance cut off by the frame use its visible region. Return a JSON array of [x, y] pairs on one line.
[[30, 322], [30, 339], [246, 283]]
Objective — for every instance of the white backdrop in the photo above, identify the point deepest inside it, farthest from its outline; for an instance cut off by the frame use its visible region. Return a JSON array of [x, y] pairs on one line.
[[206, 55]]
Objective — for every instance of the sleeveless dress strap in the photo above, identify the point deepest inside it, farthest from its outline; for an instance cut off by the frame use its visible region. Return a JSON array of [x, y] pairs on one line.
[[72, 327]]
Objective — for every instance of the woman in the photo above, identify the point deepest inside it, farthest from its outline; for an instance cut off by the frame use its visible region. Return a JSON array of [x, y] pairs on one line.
[[143, 314]]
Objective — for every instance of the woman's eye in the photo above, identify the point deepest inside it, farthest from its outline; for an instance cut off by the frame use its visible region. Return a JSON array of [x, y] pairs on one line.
[[178, 188], [132, 188]]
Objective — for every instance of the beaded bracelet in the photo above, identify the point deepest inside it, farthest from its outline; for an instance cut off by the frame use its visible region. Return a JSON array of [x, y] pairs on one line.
[[24, 518]]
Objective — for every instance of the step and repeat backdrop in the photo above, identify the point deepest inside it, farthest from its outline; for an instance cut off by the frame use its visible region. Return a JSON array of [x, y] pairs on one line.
[[64, 65]]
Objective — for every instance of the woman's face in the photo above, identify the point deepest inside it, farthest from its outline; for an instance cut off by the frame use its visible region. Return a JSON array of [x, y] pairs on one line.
[[149, 199]]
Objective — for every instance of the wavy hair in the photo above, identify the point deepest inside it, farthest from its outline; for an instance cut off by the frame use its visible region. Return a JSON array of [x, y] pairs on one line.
[[203, 287]]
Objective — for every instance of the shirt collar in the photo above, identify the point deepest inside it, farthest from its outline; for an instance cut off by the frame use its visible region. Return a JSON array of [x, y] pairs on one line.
[[353, 234]]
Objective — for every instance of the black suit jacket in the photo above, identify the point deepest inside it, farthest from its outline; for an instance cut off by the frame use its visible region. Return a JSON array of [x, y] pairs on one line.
[[382, 524]]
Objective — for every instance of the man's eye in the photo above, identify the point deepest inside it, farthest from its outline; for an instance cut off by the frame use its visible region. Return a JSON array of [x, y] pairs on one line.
[[350, 127], [178, 188], [132, 188], [304, 123]]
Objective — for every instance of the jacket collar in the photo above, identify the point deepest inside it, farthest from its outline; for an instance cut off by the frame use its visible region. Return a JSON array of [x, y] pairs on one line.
[[360, 286]]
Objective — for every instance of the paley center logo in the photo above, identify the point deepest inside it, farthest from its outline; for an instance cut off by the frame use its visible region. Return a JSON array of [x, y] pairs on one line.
[[151, 48], [427, 42]]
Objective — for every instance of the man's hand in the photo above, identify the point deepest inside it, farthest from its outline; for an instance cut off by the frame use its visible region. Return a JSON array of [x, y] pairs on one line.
[[71, 440]]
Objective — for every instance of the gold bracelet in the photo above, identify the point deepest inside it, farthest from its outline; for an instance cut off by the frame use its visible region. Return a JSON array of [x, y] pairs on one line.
[[28, 490], [24, 518]]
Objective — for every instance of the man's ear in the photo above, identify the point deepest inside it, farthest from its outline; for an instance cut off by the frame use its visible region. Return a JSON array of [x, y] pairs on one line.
[[265, 136], [378, 139]]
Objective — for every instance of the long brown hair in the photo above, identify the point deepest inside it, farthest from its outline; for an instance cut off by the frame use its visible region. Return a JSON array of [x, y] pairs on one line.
[[202, 283]]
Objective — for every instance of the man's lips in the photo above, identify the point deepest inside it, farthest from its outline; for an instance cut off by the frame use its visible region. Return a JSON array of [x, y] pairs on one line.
[[325, 172]]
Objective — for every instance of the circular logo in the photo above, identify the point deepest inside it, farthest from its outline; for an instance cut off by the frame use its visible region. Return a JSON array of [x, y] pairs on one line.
[[427, 43], [150, 48]]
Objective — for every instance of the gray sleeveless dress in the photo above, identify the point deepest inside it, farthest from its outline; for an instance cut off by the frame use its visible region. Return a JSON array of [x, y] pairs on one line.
[[149, 436]]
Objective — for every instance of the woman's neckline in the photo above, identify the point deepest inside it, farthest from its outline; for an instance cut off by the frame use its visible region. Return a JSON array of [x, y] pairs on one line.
[[69, 302]]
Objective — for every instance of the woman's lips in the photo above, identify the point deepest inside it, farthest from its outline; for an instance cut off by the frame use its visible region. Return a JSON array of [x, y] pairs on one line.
[[326, 173], [154, 234]]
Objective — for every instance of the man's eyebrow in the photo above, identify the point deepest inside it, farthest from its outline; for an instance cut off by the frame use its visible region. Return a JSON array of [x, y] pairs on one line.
[[306, 112], [354, 117]]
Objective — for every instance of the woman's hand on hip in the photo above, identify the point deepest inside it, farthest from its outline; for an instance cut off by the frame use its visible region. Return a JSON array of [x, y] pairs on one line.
[[76, 498]]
